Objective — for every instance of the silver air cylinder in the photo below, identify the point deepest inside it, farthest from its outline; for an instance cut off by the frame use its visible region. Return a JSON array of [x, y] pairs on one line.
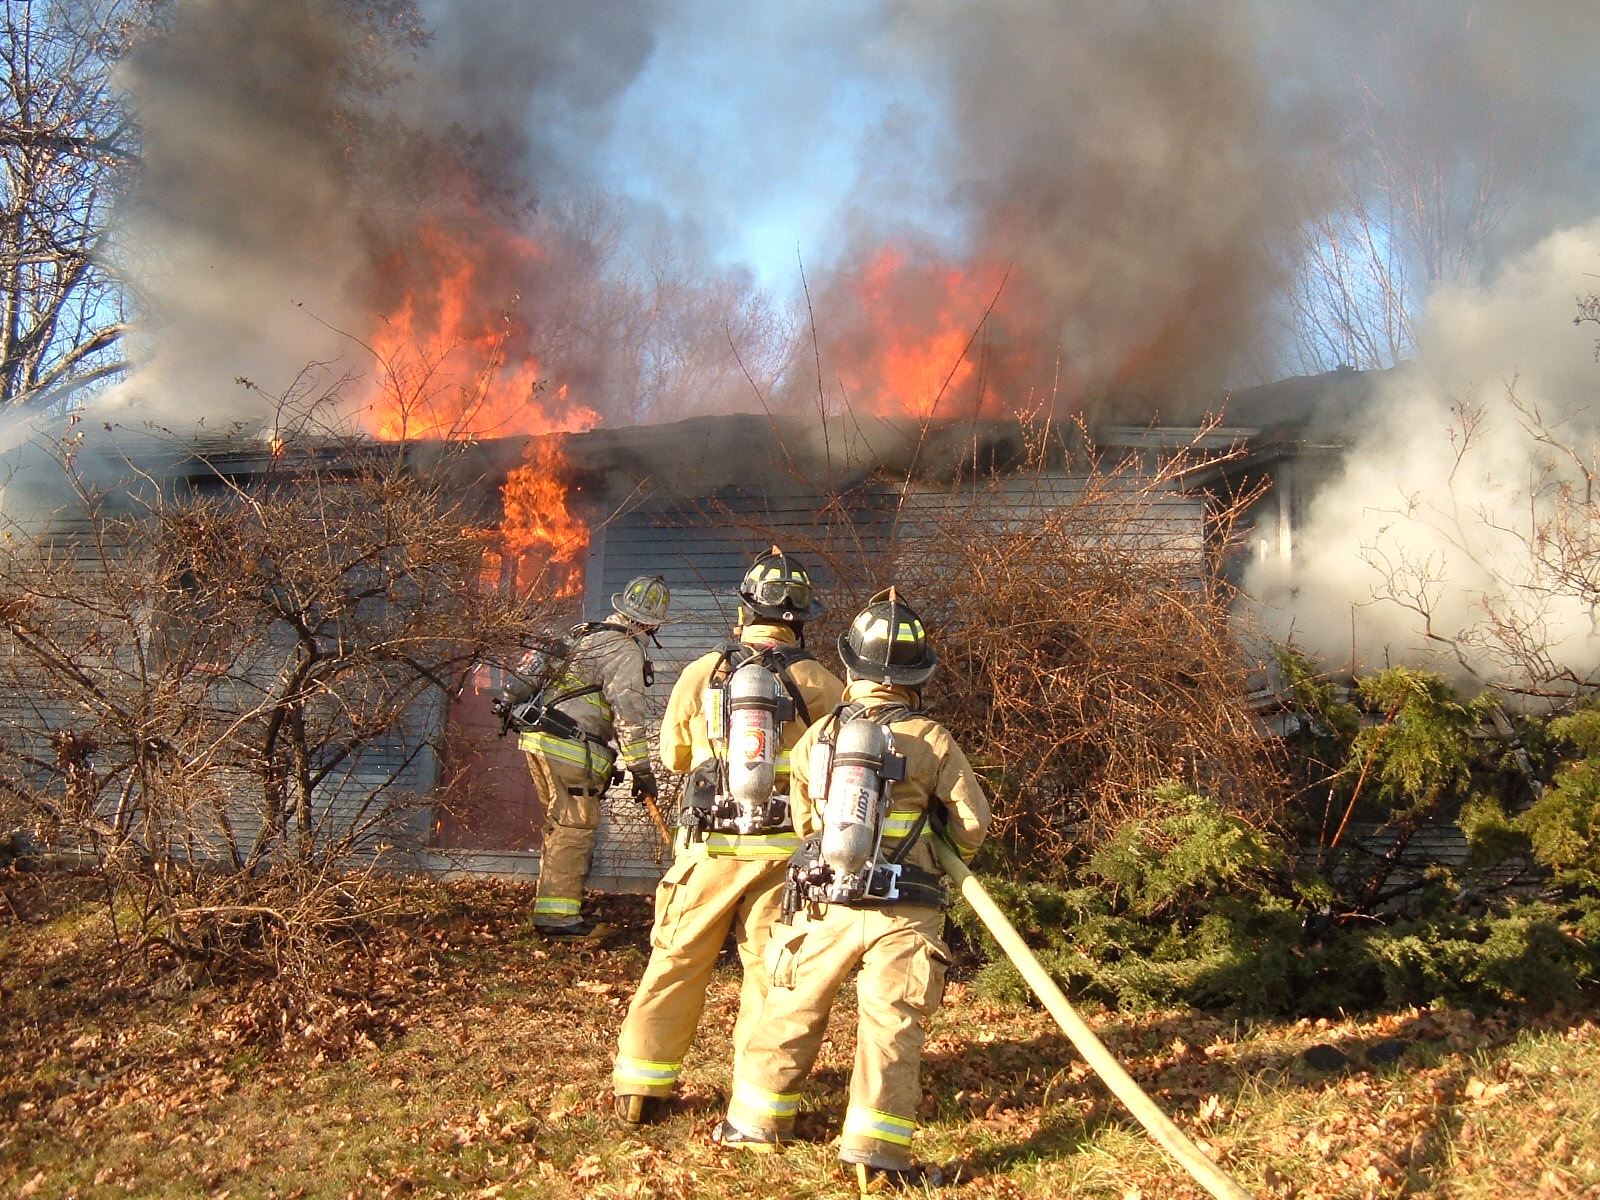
[[753, 700], [850, 804]]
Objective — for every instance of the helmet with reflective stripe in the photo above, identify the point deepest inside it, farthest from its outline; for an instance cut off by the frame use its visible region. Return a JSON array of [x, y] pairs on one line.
[[644, 600], [888, 643], [777, 587]]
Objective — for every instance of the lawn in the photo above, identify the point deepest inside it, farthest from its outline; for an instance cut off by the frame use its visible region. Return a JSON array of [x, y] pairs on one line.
[[451, 1051]]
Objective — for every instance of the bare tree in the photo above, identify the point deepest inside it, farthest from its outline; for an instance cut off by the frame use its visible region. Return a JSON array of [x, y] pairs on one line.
[[1507, 586], [1352, 303], [227, 675], [1087, 650], [647, 330], [69, 148], [1440, 145]]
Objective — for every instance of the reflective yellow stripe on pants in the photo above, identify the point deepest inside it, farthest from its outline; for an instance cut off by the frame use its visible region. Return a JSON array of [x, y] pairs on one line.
[[557, 906], [571, 817], [901, 964], [884, 1127], [756, 1108], [697, 902], [638, 1077]]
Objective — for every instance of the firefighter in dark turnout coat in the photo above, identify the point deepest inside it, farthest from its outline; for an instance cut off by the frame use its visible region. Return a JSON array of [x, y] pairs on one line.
[[595, 716]]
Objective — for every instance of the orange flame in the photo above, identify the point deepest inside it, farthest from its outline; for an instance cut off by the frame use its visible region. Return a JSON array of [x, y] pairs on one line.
[[538, 534], [457, 362], [456, 358], [917, 354]]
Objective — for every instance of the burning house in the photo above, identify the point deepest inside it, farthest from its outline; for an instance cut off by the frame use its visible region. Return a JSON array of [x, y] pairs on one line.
[[691, 501], [518, 334]]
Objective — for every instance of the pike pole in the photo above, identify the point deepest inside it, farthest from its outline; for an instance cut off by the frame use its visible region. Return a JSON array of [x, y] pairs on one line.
[[654, 810], [1159, 1126]]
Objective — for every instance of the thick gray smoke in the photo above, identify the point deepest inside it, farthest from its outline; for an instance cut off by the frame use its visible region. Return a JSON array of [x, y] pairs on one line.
[[539, 82], [1130, 172], [1457, 535], [243, 234], [1446, 539], [1135, 181], [1139, 177], [1127, 195]]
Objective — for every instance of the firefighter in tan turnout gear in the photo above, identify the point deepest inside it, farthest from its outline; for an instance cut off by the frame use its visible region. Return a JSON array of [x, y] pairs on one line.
[[575, 728], [872, 782], [730, 721]]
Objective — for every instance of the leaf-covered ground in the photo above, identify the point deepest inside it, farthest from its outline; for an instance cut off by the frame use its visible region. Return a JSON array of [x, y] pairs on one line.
[[454, 1052]]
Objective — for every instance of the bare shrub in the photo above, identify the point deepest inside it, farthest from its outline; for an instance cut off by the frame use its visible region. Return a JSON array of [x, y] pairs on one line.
[[1088, 653], [226, 675]]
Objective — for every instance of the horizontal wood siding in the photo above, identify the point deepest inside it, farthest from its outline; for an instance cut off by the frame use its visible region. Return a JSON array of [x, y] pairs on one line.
[[702, 548], [701, 539]]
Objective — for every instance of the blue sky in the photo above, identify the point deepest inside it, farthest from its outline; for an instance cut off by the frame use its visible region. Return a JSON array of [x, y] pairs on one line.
[[755, 123]]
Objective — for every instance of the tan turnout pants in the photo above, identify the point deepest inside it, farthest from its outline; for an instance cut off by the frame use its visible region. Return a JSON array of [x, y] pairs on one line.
[[571, 801], [698, 900], [902, 960]]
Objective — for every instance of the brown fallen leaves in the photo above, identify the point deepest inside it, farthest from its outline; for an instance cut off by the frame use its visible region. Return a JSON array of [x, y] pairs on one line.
[[455, 1054]]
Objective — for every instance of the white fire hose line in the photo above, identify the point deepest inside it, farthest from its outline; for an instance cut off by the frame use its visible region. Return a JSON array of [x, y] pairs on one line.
[[1160, 1127]]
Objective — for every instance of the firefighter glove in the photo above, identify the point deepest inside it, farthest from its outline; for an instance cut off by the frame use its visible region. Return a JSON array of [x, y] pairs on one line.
[[644, 783]]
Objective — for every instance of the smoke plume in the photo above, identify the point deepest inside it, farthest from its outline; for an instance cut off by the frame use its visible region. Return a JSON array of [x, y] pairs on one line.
[[910, 206], [1442, 541], [243, 234], [1049, 205]]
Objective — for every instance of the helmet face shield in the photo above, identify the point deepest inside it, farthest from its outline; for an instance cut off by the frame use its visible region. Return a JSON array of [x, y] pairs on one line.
[[794, 593]]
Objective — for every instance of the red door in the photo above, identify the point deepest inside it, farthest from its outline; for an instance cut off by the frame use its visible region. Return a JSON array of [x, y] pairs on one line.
[[488, 798]]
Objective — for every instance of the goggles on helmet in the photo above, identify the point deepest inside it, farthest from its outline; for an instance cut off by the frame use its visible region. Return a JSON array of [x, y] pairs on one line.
[[776, 591]]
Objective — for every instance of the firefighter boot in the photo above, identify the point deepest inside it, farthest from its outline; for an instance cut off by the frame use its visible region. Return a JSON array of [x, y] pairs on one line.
[[730, 1135], [639, 1110], [872, 1181], [582, 931]]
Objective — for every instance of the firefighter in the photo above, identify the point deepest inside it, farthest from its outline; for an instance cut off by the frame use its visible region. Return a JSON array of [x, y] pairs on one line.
[[590, 716], [735, 838], [872, 782]]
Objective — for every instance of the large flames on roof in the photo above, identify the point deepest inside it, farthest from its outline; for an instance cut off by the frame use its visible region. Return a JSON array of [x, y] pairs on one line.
[[455, 356], [919, 336], [457, 361]]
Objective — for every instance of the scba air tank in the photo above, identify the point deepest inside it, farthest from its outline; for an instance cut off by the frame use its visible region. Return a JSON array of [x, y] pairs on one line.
[[850, 804], [754, 700]]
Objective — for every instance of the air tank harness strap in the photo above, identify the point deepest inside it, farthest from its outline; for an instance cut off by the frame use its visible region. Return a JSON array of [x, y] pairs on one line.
[[776, 659], [584, 628], [544, 716], [912, 884]]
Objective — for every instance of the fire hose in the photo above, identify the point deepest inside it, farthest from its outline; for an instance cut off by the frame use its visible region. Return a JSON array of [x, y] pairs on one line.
[[1160, 1127]]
